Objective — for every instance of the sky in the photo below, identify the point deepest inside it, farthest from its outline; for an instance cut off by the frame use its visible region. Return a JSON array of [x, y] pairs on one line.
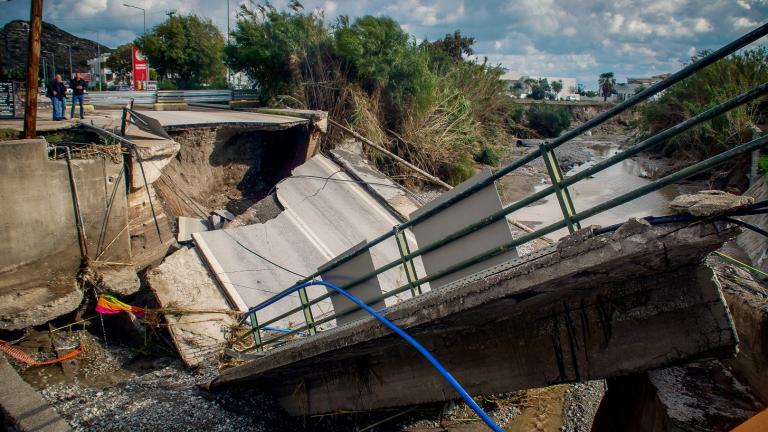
[[563, 38]]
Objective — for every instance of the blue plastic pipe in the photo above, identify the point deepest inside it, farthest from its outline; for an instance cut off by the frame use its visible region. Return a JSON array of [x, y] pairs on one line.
[[400, 332]]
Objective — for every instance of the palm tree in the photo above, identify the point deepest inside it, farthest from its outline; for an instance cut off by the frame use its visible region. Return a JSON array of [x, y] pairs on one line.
[[605, 83]]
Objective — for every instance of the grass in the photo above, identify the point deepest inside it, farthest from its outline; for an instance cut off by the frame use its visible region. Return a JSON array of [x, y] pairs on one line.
[[7, 134]]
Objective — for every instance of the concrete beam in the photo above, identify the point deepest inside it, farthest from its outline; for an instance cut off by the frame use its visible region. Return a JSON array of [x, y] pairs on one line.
[[23, 408], [588, 308]]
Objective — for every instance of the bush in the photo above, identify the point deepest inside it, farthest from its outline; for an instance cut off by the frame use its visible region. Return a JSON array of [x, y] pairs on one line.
[[762, 164], [167, 84], [460, 172], [488, 156], [715, 84], [547, 120]]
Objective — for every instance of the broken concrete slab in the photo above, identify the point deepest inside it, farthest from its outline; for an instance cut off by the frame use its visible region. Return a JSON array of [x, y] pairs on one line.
[[699, 397], [708, 203], [156, 152], [479, 205], [321, 219], [23, 408], [34, 296], [393, 196], [119, 279], [614, 307], [175, 120], [188, 226], [226, 214], [183, 284]]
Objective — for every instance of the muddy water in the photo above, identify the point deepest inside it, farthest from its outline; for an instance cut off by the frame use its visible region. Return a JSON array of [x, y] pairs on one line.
[[609, 183]]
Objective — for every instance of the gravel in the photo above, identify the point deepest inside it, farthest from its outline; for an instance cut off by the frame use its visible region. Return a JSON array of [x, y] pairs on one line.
[[167, 399], [580, 405]]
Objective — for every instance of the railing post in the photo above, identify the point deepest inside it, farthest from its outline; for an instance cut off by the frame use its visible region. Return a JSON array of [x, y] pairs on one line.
[[410, 269], [256, 331], [563, 196], [307, 308]]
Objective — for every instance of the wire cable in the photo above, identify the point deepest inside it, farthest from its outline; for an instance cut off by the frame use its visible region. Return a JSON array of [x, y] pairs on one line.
[[400, 332]]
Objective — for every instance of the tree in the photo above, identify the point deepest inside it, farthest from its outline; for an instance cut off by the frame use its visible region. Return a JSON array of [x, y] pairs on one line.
[[121, 63], [557, 87], [455, 46], [373, 46], [605, 83], [275, 48], [540, 89], [186, 48]]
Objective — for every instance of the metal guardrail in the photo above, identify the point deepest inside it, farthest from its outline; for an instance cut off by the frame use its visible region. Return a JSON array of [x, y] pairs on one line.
[[194, 96], [168, 96], [120, 97], [571, 217]]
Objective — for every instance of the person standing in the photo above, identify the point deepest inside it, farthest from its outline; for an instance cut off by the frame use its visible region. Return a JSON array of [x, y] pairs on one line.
[[57, 92], [78, 93]]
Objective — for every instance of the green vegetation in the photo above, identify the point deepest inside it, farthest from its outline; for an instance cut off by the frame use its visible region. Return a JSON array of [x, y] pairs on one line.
[[488, 156], [120, 61], [713, 85], [372, 75], [186, 48], [762, 164], [7, 134], [548, 120]]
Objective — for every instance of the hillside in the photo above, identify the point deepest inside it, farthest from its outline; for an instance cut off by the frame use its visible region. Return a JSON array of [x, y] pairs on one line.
[[13, 48]]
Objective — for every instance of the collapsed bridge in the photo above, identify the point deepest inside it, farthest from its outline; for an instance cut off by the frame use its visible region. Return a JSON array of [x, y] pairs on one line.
[[597, 304]]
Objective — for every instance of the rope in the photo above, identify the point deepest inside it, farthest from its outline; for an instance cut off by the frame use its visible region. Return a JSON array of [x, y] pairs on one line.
[[28, 359], [741, 264]]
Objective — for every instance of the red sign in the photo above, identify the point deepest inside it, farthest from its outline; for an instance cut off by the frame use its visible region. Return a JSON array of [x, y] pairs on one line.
[[140, 69]]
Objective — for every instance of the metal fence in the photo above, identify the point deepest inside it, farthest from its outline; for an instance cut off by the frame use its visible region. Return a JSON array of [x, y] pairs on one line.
[[168, 96], [560, 184]]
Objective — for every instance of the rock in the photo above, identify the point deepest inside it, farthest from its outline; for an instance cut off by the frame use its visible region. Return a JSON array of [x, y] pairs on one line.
[[708, 203], [631, 227], [121, 281]]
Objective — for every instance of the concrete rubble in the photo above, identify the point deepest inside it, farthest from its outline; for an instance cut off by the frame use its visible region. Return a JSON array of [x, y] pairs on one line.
[[203, 317], [709, 203]]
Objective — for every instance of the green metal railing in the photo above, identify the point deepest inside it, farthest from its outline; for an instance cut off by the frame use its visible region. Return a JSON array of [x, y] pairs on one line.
[[560, 183]]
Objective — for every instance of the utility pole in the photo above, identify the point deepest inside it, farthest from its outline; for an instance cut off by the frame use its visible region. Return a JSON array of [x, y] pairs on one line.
[[33, 62]]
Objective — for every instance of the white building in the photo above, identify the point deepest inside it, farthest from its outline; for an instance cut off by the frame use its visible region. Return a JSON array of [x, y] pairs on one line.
[[628, 89], [568, 92], [100, 73]]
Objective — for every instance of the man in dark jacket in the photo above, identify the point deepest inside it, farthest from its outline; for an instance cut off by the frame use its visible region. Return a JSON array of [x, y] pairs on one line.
[[78, 93], [57, 92]]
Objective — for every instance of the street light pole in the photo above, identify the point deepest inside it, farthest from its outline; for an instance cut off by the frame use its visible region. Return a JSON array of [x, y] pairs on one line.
[[144, 11], [69, 47]]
